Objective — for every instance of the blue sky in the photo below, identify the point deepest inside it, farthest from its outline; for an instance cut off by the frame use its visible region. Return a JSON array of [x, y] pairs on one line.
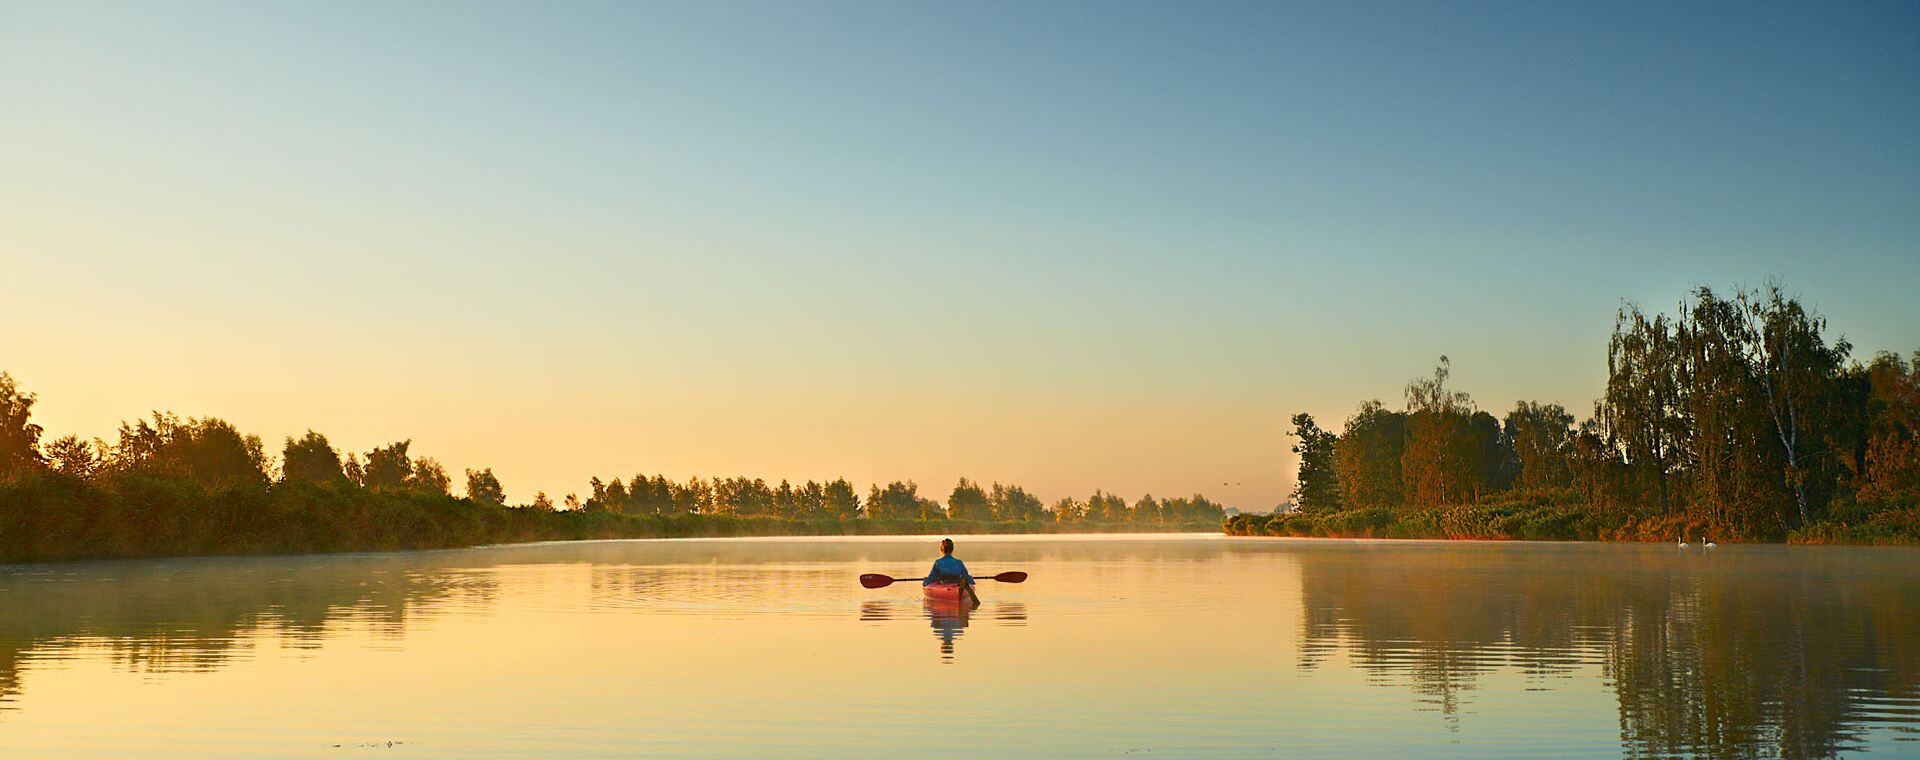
[[1065, 244]]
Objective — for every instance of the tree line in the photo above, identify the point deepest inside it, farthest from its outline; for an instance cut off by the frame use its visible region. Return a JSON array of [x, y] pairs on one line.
[[1731, 416], [642, 495], [173, 485]]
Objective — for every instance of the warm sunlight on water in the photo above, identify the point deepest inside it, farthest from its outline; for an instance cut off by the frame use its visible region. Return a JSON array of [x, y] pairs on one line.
[[1154, 646]]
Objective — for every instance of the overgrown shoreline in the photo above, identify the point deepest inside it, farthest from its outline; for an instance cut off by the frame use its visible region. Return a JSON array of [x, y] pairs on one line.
[[1732, 419], [1551, 519], [174, 487], [55, 517]]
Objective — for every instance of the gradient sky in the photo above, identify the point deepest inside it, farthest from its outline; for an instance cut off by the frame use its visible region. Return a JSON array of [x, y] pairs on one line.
[[1069, 245]]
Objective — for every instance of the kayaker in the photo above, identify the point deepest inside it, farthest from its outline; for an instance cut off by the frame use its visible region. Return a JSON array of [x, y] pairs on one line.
[[950, 568]]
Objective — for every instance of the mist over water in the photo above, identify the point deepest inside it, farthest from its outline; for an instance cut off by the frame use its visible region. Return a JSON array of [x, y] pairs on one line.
[[1174, 645]]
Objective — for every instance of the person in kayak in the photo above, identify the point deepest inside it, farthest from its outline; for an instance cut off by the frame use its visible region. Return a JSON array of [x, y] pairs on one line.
[[950, 568]]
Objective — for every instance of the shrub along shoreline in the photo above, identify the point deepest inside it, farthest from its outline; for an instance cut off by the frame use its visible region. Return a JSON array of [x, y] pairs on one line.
[[1542, 519], [54, 517]]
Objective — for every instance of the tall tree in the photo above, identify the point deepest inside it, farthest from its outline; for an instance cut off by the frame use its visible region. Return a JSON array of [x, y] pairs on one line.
[[19, 436], [1069, 509], [1795, 368], [484, 488], [901, 499], [1367, 457], [388, 467], [310, 459], [1145, 511], [1499, 466], [969, 502], [617, 499], [1440, 464], [1014, 504], [1887, 467], [810, 500], [1735, 458], [208, 451], [841, 501], [1594, 466], [741, 496], [696, 496], [1644, 410], [1540, 435], [69, 455], [1106, 507], [1317, 489], [429, 477]]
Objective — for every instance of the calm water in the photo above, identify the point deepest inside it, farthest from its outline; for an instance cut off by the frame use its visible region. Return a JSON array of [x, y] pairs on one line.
[[1152, 646]]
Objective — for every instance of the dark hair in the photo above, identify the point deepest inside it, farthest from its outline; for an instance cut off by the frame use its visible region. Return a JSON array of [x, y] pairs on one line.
[[946, 545]]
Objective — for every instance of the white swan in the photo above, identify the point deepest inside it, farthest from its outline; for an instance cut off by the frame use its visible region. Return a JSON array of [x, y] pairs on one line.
[[1683, 543], [1711, 544]]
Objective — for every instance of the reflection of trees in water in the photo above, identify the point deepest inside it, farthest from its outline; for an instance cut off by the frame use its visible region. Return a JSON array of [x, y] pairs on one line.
[[1436, 631], [194, 615], [1797, 662], [1743, 653], [187, 615]]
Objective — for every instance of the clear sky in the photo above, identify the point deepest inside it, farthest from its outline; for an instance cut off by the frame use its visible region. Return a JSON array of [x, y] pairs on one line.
[[1069, 244]]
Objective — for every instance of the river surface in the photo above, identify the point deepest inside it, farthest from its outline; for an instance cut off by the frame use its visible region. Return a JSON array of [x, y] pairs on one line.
[[1155, 646]]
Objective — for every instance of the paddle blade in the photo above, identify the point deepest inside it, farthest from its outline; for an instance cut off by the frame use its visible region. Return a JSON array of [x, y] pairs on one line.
[[876, 580], [1013, 576]]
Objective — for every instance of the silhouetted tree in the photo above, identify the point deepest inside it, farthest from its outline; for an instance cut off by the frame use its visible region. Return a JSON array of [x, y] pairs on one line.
[[310, 459], [900, 499], [208, 451], [969, 502], [484, 488], [388, 468], [1886, 468], [1317, 488], [1367, 457], [1493, 452], [19, 436], [741, 496], [1541, 435], [1644, 413], [429, 477], [1796, 370], [1106, 507], [1146, 510], [355, 473], [69, 455], [841, 500], [1439, 464], [1013, 504]]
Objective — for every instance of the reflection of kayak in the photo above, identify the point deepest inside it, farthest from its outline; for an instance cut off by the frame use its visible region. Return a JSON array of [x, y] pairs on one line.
[[944, 591]]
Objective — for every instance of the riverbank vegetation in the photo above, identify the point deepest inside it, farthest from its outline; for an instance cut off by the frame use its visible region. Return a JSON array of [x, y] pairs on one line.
[[1731, 419], [172, 486]]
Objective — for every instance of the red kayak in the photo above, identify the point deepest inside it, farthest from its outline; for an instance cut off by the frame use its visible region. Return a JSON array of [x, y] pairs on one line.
[[944, 591]]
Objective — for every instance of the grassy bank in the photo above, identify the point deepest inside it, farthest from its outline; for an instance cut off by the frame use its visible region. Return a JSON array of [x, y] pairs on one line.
[[1551, 518], [55, 517]]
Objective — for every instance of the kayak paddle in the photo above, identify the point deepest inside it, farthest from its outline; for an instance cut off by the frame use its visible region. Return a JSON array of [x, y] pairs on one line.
[[876, 580]]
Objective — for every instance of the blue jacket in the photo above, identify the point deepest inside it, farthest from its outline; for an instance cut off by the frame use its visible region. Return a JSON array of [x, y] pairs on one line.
[[949, 566]]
